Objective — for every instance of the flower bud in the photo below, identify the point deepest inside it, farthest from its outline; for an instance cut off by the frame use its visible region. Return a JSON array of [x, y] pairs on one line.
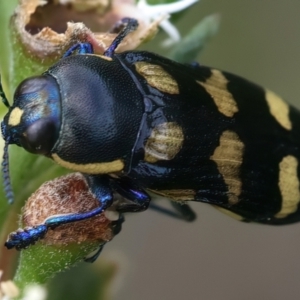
[[65, 195], [47, 28]]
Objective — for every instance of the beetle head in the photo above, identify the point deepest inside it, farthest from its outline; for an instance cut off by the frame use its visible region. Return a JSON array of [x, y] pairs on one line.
[[33, 121]]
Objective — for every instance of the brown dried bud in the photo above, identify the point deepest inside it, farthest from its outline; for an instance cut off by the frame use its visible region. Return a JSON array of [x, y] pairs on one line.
[[64, 195], [47, 28]]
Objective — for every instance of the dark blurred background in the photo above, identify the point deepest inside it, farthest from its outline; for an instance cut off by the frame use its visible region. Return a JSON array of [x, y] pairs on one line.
[[216, 257]]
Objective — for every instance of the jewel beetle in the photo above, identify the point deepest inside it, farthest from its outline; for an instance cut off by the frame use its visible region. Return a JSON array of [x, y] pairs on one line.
[[136, 122]]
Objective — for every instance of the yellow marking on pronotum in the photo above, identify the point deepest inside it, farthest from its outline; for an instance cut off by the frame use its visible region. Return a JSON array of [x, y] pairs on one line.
[[279, 109], [92, 168], [164, 142], [289, 186], [15, 116], [157, 77], [103, 57], [216, 86], [229, 156]]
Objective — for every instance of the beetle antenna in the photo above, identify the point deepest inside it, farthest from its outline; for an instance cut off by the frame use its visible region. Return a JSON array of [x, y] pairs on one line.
[[3, 96], [5, 173], [129, 26]]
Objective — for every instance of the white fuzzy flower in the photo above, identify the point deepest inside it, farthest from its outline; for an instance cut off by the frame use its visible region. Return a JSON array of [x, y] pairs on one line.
[[154, 12]]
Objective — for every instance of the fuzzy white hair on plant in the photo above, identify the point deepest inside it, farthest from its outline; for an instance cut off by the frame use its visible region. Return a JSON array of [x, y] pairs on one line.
[[157, 11]]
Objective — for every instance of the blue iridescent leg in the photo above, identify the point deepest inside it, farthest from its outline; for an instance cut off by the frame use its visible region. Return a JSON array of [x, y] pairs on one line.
[[87, 48], [81, 48], [139, 199], [182, 211], [22, 238], [100, 187], [130, 25]]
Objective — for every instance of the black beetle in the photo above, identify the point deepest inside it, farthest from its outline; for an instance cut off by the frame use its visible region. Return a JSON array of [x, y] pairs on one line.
[[135, 120]]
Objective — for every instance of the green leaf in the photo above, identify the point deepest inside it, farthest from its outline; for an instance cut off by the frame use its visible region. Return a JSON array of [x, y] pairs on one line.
[[187, 50]]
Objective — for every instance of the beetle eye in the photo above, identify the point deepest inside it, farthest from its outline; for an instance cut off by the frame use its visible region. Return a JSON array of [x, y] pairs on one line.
[[39, 137]]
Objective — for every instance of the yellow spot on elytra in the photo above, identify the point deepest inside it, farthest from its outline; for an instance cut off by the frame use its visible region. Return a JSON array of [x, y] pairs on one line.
[[216, 86], [229, 213], [229, 156], [176, 195], [92, 168], [15, 116], [157, 77], [289, 186], [279, 109], [164, 142]]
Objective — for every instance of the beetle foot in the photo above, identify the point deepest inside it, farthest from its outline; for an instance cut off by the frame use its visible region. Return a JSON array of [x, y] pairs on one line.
[[22, 238]]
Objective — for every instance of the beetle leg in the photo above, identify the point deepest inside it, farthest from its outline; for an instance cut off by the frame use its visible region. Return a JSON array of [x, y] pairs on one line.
[[139, 199], [130, 25], [117, 226], [22, 238], [182, 211], [185, 211], [93, 258], [100, 187], [194, 64], [81, 48]]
